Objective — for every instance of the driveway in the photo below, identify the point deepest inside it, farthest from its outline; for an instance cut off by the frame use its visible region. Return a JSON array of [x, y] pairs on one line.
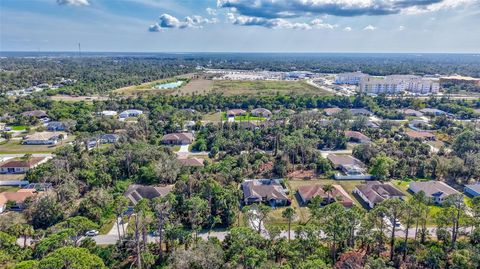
[[183, 149]]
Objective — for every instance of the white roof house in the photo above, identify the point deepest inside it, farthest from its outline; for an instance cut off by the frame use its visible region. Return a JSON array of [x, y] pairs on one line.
[[109, 113], [130, 113]]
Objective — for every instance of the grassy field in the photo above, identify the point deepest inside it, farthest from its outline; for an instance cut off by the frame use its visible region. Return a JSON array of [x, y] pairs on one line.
[[243, 118], [212, 117], [15, 147], [149, 87], [19, 127], [232, 87], [69, 98]]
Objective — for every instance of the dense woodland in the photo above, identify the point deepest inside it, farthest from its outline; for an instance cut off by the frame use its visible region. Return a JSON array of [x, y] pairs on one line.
[[88, 185]]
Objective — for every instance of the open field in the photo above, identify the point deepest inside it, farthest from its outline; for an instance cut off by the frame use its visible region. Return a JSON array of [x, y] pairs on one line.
[[232, 87], [15, 147], [69, 98]]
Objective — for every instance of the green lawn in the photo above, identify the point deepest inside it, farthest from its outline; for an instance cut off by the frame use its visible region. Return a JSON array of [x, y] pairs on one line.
[[16, 147], [303, 213], [19, 127], [8, 188], [243, 118]]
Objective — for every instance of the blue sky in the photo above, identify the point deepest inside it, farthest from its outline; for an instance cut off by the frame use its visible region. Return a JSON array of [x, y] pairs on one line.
[[241, 25]]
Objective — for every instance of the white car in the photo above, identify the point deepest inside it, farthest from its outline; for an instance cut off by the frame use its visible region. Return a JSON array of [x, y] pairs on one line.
[[91, 233]]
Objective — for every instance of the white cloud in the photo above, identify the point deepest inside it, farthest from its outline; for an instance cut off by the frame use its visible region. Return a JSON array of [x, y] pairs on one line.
[[211, 11], [319, 24], [73, 2], [347, 29], [401, 28], [167, 21], [370, 28]]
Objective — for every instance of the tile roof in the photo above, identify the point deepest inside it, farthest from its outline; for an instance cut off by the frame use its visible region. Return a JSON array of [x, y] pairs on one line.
[[377, 192], [356, 135], [338, 193], [339, 160], [191, 162], [419, 134], [260, 189]]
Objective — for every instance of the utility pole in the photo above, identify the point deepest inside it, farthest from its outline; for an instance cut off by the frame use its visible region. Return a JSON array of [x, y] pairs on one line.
[[79, 50]]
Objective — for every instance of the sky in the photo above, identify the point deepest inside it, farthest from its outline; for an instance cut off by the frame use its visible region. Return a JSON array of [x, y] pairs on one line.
[[423, 26]]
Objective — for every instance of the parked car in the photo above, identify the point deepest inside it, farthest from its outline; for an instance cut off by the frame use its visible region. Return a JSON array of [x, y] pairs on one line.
[[91, 233]]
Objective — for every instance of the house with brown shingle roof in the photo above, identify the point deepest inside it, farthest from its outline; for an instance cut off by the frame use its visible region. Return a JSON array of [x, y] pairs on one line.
[[341, 160], [191, 162], [19, 166], [338, 194], [236, 112], [261, 112], [420, 135], [357, 137], [177, 139], [375, 192], [44, 138], [269, 191], [35, 113], [332, 111]]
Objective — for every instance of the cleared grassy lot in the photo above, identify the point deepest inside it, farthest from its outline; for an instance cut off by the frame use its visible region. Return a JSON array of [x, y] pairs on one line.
[[234, 87], [243, 118]]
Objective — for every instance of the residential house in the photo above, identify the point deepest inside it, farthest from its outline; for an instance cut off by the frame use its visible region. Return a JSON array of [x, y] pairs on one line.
[[341, 160], [236, 112], [437, 191], [15, 199], [422, 135], [191, 162], [35, 113], [55, 126], [338, 194], [360, 112], [357, 137], [109, 138], [375, 192], [433, 111], [136, 192], [130, 113], [20, 166], [108, 113], [44, 138], [410, 112], [332, 111], [177, 138], [270, 191], [473, 190], [261, 112]]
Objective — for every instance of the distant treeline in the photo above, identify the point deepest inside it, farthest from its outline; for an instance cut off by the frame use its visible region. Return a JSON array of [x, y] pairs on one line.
[[103, 73]]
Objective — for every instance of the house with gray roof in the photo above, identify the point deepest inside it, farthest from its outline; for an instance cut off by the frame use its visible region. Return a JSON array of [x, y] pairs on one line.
[[136, 192], [438, 191], [269, 191]]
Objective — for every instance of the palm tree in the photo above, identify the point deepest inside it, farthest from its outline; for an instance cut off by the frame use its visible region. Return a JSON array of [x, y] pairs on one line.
[[289, 214], [328, 189]]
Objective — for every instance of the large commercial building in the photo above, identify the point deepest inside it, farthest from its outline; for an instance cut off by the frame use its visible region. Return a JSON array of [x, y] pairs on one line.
[[350, 78], [399, 83]]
